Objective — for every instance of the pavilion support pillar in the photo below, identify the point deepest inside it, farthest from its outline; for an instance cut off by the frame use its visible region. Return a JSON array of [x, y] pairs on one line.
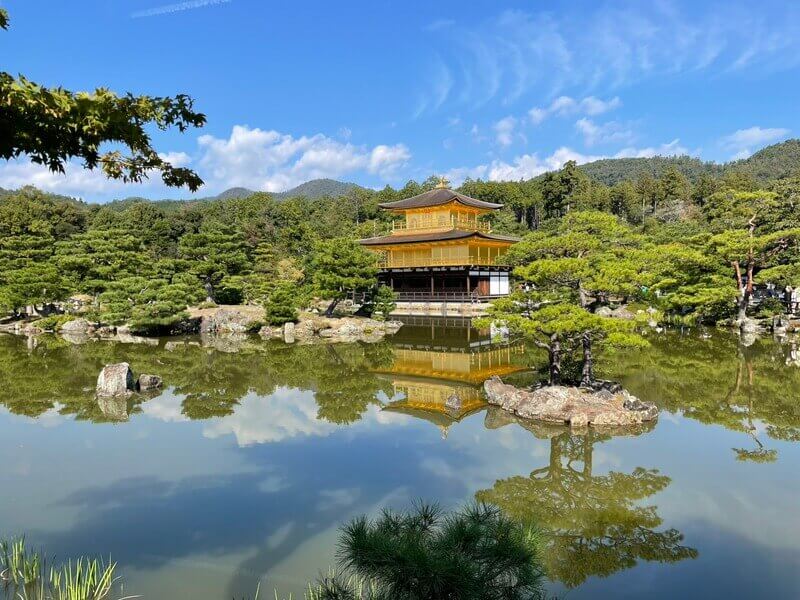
[[432, 288], [469, 284]]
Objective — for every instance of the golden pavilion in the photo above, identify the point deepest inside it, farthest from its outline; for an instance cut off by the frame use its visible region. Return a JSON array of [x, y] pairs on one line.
[[441, 250]]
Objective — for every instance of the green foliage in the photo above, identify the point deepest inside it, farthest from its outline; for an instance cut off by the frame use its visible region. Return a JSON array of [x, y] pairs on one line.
[[27, 577], [475, 553], [281, 305], [770, 307], [383, 302], [52, 125], [52, 322], [212, 255], [341, 266]]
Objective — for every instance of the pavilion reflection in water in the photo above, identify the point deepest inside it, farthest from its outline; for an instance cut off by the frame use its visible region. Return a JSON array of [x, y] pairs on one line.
[[440, 364]]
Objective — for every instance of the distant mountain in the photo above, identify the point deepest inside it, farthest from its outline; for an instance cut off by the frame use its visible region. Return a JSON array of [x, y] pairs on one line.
[[317, 188], [772, 162], [234, 192]]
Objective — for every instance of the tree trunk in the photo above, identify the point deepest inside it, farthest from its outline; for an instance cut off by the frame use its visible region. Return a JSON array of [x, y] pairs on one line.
[[555, 360], [209, 291], [331, 307], [587, 373], [582, 297]]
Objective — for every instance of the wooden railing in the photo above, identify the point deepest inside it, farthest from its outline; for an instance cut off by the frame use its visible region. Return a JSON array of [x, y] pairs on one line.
[[385, 262], [442, 223]]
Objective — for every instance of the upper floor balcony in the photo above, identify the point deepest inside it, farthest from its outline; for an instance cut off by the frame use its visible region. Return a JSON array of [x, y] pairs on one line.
[[390, 261], [440, 222]]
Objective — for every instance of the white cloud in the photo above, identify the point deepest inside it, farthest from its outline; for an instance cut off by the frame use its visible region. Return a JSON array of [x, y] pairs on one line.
[[565, 105], [75, 181], [254, 158], [272, 161], [176, 159], [527, 166], [177, 7], [537, 115], [504, 130], [524, 166], [595, 106], [611, 132], [743, 141], [284, 414], [673, 148]]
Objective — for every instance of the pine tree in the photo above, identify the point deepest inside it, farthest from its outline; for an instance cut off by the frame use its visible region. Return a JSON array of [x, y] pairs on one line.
[[216, 252], [341, 266], [281, 305]]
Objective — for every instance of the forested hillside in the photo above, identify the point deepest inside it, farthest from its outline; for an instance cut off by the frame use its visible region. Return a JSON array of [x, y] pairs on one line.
[[773, 162]]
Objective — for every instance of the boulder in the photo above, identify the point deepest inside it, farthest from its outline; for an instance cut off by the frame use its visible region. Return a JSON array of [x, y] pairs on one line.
[[622, 312], [228, 320], [577, 407], [172, 346], [604, 311], [76, 327], [115, 380], [749, 326], [147, 383], [288, 332]]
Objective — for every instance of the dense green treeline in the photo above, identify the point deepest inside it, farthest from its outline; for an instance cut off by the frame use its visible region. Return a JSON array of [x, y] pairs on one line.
[[144, 262]]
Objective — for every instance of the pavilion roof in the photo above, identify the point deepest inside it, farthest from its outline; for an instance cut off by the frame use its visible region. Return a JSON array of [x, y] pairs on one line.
[[437, 197], [435, 236]]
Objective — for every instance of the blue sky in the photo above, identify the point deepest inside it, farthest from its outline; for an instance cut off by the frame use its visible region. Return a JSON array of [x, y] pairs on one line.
[[385, 91]]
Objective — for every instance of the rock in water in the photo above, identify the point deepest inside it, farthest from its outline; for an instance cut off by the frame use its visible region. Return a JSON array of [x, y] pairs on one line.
[[574, 406], [147, 383], [115, 380], [288, 332]]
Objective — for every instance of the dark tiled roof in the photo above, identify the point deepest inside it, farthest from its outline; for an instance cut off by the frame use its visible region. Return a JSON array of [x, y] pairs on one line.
[[437, 197], [437, 236]]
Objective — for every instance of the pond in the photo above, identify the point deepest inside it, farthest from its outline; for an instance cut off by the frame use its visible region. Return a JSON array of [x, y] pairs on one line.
[[243, 468]]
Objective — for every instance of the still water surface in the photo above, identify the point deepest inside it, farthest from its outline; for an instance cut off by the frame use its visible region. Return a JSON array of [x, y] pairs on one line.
[[243, 468]]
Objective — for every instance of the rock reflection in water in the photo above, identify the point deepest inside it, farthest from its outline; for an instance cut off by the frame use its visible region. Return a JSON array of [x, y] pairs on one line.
[[592, 524]]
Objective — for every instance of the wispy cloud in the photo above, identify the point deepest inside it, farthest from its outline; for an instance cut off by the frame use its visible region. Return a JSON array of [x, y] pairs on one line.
[[520, 54], [566, 105], [604, 133], [742, 141], [504, 131], [177, 7]]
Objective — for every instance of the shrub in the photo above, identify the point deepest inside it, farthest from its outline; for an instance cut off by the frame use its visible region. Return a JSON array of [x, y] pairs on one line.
[[281, 305], [476, 553], [53, 322]]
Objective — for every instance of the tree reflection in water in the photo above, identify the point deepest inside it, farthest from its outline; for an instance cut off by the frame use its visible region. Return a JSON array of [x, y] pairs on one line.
[[718, 381], [592, 524]]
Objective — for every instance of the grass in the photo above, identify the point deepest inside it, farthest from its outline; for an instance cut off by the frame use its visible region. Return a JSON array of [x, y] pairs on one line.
[[19, 567], [24, 573]]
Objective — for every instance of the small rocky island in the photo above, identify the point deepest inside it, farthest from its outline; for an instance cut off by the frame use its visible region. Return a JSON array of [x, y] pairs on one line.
[[577, 407]]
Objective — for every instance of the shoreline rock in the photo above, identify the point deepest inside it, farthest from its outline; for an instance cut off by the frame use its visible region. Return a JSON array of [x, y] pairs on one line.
[[576, 407], [317, 329]]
